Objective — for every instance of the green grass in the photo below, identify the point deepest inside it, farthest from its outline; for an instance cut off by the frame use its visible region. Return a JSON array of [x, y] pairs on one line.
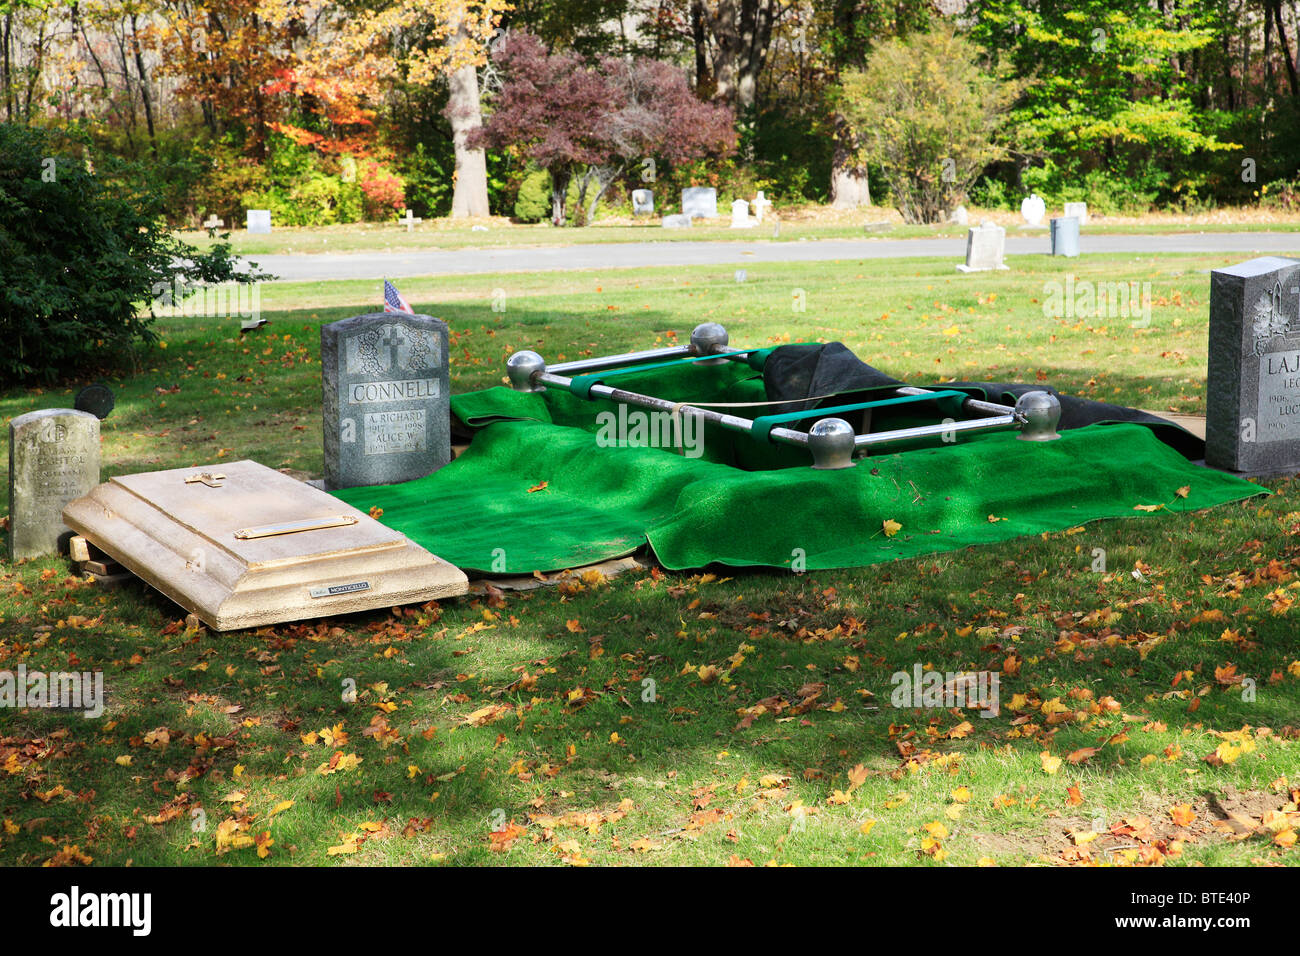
[[443, 234], [568, 667]]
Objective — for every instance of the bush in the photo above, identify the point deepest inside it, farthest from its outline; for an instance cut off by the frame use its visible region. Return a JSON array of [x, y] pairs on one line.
[[533, 201], [81, 252]]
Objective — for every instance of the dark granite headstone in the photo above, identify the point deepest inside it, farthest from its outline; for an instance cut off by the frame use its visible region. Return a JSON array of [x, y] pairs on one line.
[[386, 387], [53, 459], [1253, 403]]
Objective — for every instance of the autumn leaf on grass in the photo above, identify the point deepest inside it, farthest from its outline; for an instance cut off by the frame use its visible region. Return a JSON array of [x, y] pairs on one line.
[[574, 626], [334, 736], [1147, 507], [891, 527], [349, 845], [1184, 491], [538, 487], [896, 801], [1050, 763], [486, 715], [1077, 757], [1075, 795], [644, 845], [1225, 753], [264, 844], [376, 512], [857, 777], [280, 807], [339, 763], [502, 840], [1181, 814], [962, 795], [937, 830]]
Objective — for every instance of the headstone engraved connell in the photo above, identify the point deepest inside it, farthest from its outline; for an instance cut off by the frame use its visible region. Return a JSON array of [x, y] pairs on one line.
[[1253, 403], [386, 394], [53, 459]]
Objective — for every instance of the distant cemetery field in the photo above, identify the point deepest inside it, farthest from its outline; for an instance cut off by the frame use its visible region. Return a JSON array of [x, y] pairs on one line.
[[676, 718], [793, 224]]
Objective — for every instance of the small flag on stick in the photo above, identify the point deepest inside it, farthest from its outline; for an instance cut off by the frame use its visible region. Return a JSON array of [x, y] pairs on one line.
[[393, 301]]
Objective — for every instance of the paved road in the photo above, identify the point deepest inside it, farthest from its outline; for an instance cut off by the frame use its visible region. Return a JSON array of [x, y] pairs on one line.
[[633, 255]]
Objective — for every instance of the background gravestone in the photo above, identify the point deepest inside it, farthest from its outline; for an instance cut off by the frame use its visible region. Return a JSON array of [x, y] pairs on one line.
[[701, 202], [258, 220], [984, 248], [1252, 422], [53, 459], [386, 392], [643, 202]]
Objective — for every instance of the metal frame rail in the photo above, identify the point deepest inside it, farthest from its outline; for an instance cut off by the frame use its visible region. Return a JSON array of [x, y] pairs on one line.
[[831, 441]]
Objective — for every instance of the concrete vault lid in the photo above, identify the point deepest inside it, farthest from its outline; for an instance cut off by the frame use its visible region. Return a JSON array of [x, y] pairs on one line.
[[205, 537]]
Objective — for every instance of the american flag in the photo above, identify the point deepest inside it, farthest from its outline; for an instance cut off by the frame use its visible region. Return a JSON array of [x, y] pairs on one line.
[[393, 301]]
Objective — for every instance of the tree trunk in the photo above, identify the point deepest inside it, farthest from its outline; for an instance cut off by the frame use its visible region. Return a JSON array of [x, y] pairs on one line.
[[144, 86], [560, 177], [849, 186], [742, 33], [469, 198], [1292, 79], [700, 40]]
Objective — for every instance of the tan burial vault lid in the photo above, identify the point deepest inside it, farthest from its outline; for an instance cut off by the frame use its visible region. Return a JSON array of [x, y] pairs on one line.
[[242, 545]]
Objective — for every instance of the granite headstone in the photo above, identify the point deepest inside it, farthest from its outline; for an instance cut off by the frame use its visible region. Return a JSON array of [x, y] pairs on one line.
[[643, 202], [1077, 210], [701, 202], [1253, 403], [740, 215], [258, 220], [676, 222], [984, 248], [386, 394], [53, 459]]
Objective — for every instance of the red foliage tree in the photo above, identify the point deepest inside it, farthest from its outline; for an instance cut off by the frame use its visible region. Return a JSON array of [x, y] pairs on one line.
[[573, 118]]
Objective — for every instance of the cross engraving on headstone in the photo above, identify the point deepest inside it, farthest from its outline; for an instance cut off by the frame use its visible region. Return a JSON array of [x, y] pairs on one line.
[[393, 340], [205, 478], [411, 219]]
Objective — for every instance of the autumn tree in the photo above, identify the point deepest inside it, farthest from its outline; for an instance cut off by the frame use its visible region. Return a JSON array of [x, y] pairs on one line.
[[929, 114], [431, 42], [576, 119]]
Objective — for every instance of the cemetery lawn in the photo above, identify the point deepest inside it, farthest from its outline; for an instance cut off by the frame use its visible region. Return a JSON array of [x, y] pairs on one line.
[[685, 718], [444, 234]]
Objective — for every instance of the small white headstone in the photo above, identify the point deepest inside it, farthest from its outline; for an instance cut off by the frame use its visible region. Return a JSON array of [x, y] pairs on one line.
[[1033, 209], [760, 205], [259, 220], [410, 219], [700, 202], [740, 215], [676, 222], [984, 248], [643, 202], [960, 216], [1077, 210]]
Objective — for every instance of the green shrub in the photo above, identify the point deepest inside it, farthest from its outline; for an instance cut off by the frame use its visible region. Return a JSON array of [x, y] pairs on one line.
[[82, 251], [533, 201]]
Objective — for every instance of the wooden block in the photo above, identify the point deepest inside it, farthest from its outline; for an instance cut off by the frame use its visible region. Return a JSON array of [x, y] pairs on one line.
[[179, 536]]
